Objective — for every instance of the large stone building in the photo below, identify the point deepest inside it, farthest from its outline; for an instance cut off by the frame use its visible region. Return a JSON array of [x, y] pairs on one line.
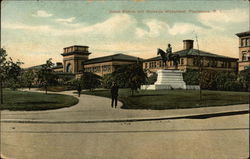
[[189, 60], [76, 60], [107, 64], [244, 50]]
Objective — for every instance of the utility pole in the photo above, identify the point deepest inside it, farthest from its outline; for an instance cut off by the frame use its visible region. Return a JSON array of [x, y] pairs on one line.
[[200, 69]]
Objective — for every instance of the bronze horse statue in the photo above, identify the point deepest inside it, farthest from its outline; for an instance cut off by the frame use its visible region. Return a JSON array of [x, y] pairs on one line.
[[169, 56]]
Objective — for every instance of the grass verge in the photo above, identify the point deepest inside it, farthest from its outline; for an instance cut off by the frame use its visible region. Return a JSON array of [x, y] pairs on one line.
[[27, 101], [56, 88], [174, 99]]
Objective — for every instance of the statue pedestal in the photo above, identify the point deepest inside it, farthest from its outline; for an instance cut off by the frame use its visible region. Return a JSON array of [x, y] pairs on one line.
[[167, 79], [173, 78]]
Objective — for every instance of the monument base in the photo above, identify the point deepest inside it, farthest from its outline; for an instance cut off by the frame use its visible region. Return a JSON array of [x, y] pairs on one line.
[[169, 79]]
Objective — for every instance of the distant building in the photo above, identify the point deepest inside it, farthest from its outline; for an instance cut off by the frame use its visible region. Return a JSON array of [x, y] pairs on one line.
[[189, 60], [76, 60], [107, 64], [58, 67], [244, 50]]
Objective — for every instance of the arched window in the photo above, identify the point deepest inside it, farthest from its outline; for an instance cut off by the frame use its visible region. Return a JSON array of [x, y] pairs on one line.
[[244, 56], [69, 68]]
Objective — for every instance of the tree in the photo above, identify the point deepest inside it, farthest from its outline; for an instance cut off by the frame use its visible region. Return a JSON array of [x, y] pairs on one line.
[[90, 80], [131, 76], [3, 63], [10, 72], [107, 80], [45, 75], [13, 70], [191, 77], [76, 84], [136, 76], [28, 78], [120, 76], [244, 78]]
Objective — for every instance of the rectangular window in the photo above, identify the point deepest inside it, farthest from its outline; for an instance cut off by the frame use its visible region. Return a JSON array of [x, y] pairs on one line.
[[244, 56], [247, 42], [182, 61], [241, 42]]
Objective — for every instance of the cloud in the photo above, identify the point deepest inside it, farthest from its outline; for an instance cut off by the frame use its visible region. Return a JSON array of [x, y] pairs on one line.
[[19, 26], [154, 28], [42, 13], [67, 20], [220, 18], [116, 24], [184, 28], [110, 27]]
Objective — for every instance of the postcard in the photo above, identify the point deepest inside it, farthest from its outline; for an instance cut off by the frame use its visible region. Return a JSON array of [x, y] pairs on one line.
[[124, 79]]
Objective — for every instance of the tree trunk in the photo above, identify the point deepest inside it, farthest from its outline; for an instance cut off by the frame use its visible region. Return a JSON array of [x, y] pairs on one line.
[[1, 90]]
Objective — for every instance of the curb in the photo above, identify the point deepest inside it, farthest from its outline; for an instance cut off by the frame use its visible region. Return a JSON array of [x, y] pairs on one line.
[[194, 116]]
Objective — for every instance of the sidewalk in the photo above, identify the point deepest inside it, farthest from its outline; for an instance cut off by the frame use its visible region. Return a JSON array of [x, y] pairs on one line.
[[98, 109]]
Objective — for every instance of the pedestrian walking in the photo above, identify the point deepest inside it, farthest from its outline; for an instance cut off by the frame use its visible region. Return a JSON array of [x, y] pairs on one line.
[[114, 94], [79, 89]]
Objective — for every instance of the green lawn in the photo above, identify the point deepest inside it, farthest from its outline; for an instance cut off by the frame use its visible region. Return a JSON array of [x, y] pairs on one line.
[[56, 88], [174, 99], [18, 100]]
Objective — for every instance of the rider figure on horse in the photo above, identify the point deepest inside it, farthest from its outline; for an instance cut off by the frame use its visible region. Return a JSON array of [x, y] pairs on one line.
[[169, 52], [169, 56]]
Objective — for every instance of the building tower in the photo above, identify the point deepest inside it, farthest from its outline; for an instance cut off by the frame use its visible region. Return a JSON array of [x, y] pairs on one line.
[[244, 50], [74, 57]]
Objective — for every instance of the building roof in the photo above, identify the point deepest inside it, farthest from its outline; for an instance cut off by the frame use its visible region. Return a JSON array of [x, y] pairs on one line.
[[192, 52], [247, 33], [35, 67], [76, 53], [77, 46], [57, 66], [116, 57]]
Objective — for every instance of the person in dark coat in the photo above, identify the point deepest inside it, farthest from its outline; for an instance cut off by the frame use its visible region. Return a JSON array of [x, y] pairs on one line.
[[114, 94], [79, 89]]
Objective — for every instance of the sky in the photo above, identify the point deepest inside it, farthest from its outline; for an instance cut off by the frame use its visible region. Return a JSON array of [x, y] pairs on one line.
[[34, 31]]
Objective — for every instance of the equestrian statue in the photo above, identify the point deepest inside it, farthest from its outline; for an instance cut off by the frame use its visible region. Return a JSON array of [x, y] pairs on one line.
[[169, 56]]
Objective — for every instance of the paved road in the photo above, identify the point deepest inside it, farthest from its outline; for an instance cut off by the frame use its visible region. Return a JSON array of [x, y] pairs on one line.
[[220, 137], [223, 137], [93, 108]]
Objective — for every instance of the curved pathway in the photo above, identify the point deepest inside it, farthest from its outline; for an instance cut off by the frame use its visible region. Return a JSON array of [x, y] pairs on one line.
[[98, 109]]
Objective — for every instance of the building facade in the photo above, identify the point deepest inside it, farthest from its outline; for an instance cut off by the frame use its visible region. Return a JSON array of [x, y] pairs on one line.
[[244, 50], [108, 64], [76, 60], [190, 60]]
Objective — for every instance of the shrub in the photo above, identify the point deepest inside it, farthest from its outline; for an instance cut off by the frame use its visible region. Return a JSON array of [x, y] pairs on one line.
[[191, 77], [244, 78], [152, 78], [90, 80], [107, 81], [233, 86]]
